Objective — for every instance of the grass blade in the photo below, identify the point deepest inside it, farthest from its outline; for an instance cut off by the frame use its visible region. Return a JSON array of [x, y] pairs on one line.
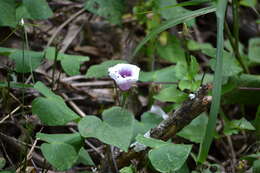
[[181, 4], [172, 22], [187, 3], [217, 83], [15, 85]]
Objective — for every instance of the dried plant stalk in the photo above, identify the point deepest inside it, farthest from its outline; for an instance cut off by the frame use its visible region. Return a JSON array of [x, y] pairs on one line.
[[188, 111]]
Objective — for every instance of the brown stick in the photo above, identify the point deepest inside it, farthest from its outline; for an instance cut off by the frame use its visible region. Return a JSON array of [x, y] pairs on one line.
[[189, 110]]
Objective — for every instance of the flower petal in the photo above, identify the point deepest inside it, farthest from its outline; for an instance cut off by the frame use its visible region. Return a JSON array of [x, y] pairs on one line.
[[124, 75], [125, 86]]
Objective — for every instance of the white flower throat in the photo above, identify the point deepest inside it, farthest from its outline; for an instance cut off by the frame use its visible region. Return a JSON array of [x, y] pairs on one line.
[[124, 75]]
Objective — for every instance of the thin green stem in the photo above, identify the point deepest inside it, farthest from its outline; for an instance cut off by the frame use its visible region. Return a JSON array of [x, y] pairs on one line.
[[235, 11], [124, 99], [117, 96], [28, 48], [23, 164], [235, 7], [54, 68], [229, 35], [233, 45], [23, 76]]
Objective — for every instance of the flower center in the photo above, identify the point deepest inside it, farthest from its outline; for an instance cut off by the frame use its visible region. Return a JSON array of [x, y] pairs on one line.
[[125, 73]]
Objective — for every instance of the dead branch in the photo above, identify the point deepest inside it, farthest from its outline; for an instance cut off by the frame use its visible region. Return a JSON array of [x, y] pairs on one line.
[[189, 110]]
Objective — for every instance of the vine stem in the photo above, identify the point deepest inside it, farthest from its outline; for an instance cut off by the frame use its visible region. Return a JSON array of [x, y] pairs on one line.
[[235, 11]]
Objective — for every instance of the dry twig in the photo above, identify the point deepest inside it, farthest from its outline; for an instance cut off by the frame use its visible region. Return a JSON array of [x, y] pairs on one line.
[[189, 110]]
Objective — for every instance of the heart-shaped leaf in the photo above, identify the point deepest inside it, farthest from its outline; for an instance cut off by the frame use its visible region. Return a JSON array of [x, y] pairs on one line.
[[51, 109], [116, 129], [62, 156], [26, 61], [169, 157]]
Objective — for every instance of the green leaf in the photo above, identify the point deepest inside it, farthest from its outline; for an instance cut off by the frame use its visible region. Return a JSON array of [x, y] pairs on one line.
[[230, 49], [169, 9], [110, 9], [163, 75], [38, 9], [73, 139], [52, 112], [254, 50], [139, 128], [168, 13], [171, 94], [71, 63], [241, 124], [186, 3], [181, 70], [90, 126], [7, 13], [150, 142], [193, 45], [248, 3], [2, 162], [190, 85], [60, 155], [196, 129], [185, 72], [234, 126], [245, 96], [120, 124], [230, 131], [172, 51], [116, 129], [148, 121], [172, 22], [85, 158], [169, 157], [101, 70], [128, 169], [22, 13], [193, 68], [251, 157], [50, 53], [230, 64], [26, 61], [183, 169], [217, 83], [51, 109], [256, 166], [39, 86], [151, 119]]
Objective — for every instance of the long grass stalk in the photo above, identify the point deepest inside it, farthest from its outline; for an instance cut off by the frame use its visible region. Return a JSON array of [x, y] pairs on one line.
[[235, 7], [217, 83], [173, 22]]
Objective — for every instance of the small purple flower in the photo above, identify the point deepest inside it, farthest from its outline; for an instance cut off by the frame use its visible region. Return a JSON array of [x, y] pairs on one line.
[[124, 75]]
